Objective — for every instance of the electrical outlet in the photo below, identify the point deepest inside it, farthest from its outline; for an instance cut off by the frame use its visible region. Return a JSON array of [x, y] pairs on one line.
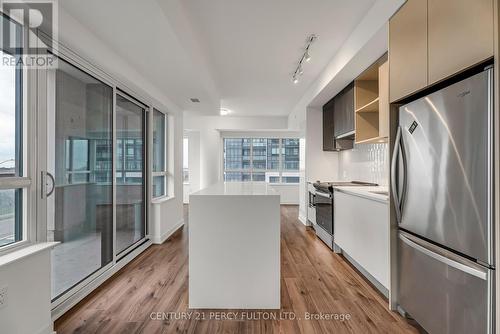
[[3, 297]]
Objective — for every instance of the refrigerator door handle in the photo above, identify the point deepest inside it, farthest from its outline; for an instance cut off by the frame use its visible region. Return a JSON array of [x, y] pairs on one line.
[[402, 196], [472, 269], [394, 186]]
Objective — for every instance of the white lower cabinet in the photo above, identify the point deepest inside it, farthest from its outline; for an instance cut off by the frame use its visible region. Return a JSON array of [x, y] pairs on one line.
[[362, 231]]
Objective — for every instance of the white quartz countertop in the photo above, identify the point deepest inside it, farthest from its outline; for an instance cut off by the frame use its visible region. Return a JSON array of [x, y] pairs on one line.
[[367, 192], [237, 189]]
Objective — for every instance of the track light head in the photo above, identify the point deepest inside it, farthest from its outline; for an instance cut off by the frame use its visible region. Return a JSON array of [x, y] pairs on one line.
[[295, 80], [307, 56], [224, 111]]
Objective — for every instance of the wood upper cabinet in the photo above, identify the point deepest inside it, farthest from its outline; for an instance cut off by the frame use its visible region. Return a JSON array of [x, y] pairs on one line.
[[408, 49], [371, 103], [460, 35], [431, 40], [383, 102], [343, 118], [328, 137]]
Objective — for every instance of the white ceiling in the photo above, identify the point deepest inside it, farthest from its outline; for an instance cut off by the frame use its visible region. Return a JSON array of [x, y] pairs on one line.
[[237, 53], [255, 45], [153, 37]]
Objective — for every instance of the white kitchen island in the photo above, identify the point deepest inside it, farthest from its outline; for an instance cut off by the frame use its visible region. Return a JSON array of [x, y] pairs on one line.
[[234, 247]]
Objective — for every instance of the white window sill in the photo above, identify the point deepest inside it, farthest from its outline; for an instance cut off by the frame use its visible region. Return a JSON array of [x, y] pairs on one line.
[[162, 199], [21, 253]]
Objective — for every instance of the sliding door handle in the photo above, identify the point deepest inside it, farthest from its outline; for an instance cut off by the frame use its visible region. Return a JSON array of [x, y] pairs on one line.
[[53, 182], [44, 184]]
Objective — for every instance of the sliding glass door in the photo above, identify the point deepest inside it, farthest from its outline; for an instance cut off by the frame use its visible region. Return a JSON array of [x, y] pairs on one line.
[[79, 194], [130, 172], [91, 162]]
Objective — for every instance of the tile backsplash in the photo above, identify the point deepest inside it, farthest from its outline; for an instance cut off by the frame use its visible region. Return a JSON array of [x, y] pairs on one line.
[[365, 162]]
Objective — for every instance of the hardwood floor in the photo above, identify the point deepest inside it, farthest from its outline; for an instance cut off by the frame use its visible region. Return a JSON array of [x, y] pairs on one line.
[[314, 280]]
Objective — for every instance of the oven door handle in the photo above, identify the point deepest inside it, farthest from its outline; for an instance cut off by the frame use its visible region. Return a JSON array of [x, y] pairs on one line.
[[323, 195]]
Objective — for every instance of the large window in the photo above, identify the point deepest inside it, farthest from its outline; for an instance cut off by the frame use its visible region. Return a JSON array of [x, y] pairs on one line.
[[160, 173], [290, 161], [273, 160], [13, 179], [77, 160]]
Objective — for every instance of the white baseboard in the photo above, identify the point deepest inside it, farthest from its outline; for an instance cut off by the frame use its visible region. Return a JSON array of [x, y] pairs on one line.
[[303, 219], [49, 329], [289, 203], [161, 239]]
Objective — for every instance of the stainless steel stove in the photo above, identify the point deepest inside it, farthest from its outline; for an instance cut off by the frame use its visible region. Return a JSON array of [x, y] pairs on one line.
[[324, 203]]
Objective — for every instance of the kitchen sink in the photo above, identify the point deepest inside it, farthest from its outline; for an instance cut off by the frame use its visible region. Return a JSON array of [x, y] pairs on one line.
[[385, 193]]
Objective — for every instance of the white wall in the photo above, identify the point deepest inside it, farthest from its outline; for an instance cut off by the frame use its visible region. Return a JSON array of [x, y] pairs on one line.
[[320, 165], [303, 194], [206, 140], [27, 310], [297, 121], [366, 162], [193, 163], [209, 128]]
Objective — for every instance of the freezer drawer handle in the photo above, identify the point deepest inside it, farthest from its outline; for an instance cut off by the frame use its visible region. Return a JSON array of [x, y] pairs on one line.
[[457, 265]]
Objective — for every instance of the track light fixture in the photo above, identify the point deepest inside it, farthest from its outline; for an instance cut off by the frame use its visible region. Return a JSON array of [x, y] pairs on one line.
[[306, 56]]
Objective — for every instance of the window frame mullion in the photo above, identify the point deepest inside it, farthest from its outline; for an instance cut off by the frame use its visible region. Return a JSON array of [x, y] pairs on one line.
[[165, 171], [15, 182]]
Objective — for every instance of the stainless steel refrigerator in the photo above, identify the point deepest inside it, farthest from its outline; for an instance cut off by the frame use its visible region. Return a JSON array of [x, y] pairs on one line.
[[442, 184]]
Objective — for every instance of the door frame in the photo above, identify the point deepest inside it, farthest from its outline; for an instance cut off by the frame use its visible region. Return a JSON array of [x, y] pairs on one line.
[[146, 165]]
